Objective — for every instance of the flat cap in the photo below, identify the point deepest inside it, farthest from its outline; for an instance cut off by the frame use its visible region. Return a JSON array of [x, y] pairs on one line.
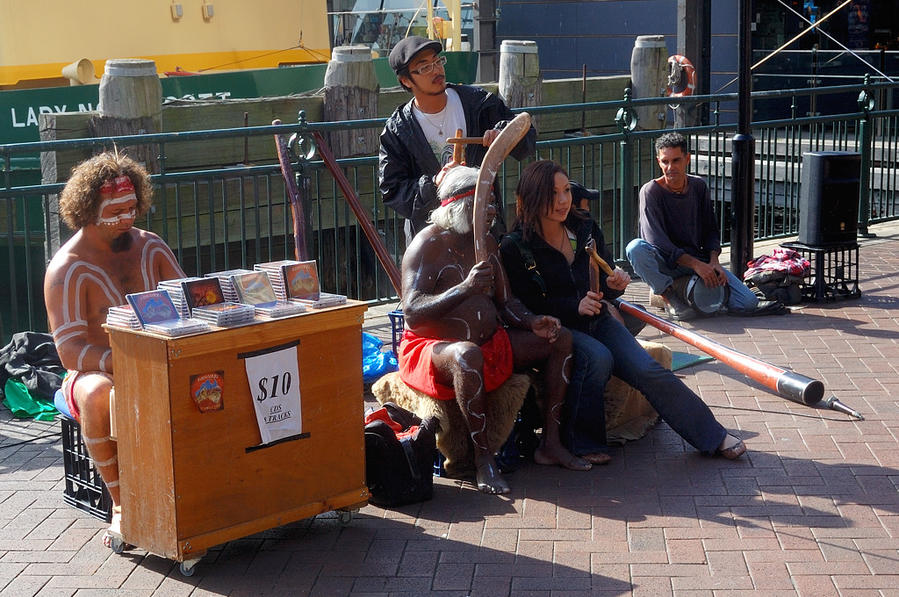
[[403, 53]]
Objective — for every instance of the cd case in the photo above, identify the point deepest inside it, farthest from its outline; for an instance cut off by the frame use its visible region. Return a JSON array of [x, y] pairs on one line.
[[156, 312]]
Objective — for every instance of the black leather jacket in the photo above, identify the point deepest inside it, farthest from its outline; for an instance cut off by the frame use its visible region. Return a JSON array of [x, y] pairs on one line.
[[407, 166], [563, 285]]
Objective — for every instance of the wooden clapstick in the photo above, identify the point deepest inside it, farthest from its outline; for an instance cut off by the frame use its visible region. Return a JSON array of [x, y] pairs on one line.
[[460, 140], [595, 258], [458, 148]]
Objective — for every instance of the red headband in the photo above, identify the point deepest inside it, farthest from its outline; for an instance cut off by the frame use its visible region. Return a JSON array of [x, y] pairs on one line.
[[117, 187], [452, 198]]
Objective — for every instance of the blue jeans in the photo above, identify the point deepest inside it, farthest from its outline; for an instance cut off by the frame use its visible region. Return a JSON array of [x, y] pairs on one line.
[[651, 267], [609, 349]]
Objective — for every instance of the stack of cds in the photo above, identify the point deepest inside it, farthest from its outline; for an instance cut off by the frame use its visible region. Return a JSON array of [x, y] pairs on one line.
[[122, 316], [275, 272], [225, 281], [174, 289], [255, 288], [276, 309], [178, 327], [325, 299], [297, 281], [156, 313], [225, 314]]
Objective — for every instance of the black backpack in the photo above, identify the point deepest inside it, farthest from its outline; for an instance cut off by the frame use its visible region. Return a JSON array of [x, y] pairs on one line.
[[399, 456]]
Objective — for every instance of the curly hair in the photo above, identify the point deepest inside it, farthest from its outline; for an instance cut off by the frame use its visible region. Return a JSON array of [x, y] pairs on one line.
[[80, 199]]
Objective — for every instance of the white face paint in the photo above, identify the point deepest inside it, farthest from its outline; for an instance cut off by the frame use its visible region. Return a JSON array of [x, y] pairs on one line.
[[111, 213]]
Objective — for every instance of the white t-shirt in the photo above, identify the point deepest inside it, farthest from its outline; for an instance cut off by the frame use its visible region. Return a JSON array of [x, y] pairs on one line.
[[442, 125]]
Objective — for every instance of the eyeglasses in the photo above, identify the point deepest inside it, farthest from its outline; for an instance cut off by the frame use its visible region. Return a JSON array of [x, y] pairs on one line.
[[428, 68]]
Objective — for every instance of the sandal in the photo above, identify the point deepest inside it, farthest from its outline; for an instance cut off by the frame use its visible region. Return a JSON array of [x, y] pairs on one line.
[[732, 447]]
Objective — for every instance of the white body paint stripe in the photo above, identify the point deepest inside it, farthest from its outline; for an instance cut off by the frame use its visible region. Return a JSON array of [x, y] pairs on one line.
[[60, 341], [105, 356], [71, 324], [81, 357], [112, 460], [96, 274], [148, 253]]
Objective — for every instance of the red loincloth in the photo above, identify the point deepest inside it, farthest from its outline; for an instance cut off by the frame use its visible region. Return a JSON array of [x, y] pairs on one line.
[[418, 372], [68, 391]]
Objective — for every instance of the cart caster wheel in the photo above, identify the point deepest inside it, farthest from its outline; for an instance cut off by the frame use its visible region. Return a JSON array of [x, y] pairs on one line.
[[188, 567], [344, 517], [117, 545]]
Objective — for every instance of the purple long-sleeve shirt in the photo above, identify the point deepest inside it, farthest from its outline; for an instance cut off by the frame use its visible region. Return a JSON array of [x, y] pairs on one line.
[[678, 223]]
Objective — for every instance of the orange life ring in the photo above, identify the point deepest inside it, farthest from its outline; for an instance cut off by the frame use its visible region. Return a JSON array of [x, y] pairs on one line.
[[677, 65]]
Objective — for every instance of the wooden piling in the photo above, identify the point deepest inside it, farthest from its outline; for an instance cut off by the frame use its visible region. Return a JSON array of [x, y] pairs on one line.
[[649, 78], [520, 79], [351, 93], [130, 104]]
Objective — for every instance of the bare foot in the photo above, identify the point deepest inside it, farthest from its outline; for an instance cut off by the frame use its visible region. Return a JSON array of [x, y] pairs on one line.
[[597, 458], [560, 456], [115, 527], [489, 479]]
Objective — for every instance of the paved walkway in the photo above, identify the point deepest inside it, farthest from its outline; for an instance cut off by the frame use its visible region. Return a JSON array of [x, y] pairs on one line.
[[813, 509]]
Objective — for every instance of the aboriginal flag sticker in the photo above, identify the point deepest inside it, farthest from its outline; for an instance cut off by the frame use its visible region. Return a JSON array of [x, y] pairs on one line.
[[207, 390]]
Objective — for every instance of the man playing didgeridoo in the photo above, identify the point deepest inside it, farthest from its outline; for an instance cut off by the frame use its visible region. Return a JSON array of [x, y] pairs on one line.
[[106, 259], [465, 332]]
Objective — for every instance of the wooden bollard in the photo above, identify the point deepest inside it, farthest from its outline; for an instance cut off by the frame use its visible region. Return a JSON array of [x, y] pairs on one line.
[[130, 104], [351, 93], [520, 79], [649, 78]]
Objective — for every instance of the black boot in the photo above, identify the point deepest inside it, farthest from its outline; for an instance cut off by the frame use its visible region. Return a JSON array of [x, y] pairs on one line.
[[677, 308]]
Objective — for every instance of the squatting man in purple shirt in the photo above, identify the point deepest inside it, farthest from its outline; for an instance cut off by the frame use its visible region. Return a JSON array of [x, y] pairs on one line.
[[679, 234]]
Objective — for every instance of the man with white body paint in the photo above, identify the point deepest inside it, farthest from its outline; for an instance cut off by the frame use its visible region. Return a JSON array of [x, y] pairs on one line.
[[465, 332], [106, 259]]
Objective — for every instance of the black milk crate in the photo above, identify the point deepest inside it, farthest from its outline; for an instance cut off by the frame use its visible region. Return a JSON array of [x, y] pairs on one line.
[[84, 487], [834, 274], [396, 329]]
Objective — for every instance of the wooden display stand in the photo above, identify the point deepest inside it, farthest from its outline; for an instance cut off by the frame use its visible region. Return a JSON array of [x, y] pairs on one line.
[[191, 480]]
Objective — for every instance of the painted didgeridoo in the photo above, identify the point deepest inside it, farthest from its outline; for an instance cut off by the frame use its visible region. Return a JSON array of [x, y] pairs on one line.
[[787, 384], [496, 154]]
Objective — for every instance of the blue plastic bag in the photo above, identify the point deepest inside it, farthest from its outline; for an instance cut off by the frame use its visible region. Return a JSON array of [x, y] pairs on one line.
[[375, 361]]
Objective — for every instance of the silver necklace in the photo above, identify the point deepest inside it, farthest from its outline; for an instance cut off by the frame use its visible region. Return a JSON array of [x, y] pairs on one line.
[[439, 127]]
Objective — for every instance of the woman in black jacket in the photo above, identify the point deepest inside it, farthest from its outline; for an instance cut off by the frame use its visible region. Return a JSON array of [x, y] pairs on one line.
[[548, 269]]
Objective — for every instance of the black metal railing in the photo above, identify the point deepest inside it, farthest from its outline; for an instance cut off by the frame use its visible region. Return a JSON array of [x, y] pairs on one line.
[[236, 215]]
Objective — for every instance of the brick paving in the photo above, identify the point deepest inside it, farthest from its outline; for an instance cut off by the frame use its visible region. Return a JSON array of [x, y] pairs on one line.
[[811, 510]]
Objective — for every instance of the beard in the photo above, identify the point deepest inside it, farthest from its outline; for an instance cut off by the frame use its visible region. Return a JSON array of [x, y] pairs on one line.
[[121, 243], [455, 217]]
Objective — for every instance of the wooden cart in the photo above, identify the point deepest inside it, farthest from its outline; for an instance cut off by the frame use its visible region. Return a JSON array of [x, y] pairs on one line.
[[190, 479]]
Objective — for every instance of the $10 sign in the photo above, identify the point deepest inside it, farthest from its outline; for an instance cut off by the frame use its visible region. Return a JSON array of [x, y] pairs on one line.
[[274, 380]]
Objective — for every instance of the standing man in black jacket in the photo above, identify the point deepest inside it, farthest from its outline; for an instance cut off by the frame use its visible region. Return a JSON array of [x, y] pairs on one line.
[[413, 142]]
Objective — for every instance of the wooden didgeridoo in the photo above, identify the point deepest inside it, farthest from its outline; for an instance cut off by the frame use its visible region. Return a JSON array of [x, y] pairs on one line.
[[293, 194], [362, 216], [787, 384]]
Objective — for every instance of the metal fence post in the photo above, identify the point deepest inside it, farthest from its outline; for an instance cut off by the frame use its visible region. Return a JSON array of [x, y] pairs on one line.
[[866, 104], [627, 121], [302, 146]]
